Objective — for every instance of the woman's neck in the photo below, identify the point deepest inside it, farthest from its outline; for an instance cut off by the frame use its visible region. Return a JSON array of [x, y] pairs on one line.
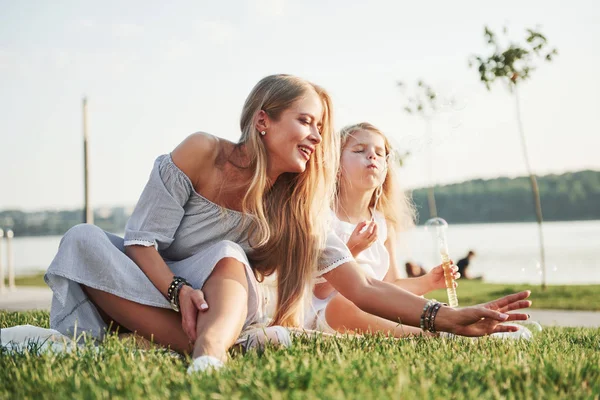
[[241, 161], [353, 205]]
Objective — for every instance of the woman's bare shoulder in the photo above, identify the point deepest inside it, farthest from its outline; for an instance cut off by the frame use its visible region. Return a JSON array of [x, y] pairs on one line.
[[196, 155]]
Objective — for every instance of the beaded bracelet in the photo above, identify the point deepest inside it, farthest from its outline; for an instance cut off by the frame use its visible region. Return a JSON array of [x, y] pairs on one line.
[[424, 322], [173, 291], [434, 312], [430, 311], [429, 317]]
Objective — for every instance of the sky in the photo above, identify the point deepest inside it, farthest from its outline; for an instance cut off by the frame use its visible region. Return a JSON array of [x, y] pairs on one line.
[[155, 72]]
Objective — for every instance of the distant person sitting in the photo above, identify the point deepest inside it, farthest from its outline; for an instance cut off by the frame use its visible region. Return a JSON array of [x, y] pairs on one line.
[[413, 270], [463, 264]]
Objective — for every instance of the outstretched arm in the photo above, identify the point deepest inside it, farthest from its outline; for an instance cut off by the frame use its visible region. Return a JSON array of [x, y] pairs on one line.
[[395, 304]]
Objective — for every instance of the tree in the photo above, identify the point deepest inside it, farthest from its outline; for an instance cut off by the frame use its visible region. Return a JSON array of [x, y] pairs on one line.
[[512, 64], [425, 103]]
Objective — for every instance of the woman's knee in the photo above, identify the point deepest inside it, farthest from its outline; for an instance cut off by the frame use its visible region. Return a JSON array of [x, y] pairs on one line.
[[82, 234], [230, 268]]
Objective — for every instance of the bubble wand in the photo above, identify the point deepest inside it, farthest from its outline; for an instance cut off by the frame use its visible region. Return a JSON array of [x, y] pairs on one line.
[[438, 227]]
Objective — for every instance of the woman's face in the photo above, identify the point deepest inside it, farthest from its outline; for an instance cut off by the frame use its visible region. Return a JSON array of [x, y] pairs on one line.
[[292, 139], [363, 162]]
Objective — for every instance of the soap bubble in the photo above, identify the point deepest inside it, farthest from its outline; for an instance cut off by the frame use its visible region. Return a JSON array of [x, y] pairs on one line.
[[434, 224], [533, 326]]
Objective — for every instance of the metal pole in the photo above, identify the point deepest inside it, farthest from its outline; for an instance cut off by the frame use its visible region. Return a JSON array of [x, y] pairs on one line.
[[88, 214], [10, 260]]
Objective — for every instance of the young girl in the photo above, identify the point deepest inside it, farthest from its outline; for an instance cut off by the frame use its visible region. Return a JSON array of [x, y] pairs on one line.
[[369, 212]]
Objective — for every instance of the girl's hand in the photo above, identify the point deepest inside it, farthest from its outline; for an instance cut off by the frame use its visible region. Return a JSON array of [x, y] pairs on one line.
[[364, 235], [484, 319], [191, 302], [435, 278]]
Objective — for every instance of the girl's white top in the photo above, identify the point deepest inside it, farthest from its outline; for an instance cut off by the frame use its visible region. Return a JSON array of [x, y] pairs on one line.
[[375, 260]]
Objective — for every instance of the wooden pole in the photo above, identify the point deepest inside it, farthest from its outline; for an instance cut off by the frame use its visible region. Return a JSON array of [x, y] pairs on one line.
[[10, 260], [2, 286], [88, 213]]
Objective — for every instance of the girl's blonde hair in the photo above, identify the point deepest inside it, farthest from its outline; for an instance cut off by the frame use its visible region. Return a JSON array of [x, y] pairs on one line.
[[289, 218], [393, 203]]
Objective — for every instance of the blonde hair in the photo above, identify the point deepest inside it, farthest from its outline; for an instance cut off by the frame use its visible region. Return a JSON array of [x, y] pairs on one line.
[[393, 203], [289, 218]]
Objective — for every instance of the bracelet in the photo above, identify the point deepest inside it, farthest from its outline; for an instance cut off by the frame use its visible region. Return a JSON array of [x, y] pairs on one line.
[[424, 322], [174, 289], [430, 311], [434, 312]]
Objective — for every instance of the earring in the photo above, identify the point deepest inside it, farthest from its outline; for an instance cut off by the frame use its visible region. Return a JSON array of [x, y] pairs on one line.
[[263, 133]]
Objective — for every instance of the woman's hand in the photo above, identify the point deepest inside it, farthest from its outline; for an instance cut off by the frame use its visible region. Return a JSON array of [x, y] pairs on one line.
[[364, 235], [484, 319], [435, 278], [191, 301]]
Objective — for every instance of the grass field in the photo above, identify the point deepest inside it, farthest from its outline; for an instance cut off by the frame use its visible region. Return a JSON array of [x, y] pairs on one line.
[[29, 280], [581, 297], [558, 363]]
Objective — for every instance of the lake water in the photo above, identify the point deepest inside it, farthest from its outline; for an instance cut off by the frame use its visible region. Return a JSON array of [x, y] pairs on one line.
[[506, 253]]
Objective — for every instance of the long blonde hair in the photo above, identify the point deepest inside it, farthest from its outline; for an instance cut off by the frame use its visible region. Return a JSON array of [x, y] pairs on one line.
[[393, 203], [289, 218]]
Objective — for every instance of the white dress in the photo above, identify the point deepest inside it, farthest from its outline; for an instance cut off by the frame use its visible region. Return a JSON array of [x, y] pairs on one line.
[[191, 233], [374, 261]]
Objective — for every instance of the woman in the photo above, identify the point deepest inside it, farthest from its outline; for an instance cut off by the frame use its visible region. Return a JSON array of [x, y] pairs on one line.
[[205, 206]]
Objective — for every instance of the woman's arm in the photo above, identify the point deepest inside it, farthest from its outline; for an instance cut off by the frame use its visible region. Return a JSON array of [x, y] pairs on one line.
[[194, 154], [153, 265], [395, 304], [376, 297]]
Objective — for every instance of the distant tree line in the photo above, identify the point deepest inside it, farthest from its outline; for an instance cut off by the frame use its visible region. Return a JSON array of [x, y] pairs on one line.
[[565, 197], [51, 222]]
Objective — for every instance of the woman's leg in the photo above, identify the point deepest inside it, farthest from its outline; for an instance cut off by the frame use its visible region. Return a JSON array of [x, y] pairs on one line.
[[161, 325], [226, 292], [343, 316]]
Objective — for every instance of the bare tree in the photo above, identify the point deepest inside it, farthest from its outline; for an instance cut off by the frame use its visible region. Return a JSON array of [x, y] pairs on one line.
[[512, 64], [425, 103]]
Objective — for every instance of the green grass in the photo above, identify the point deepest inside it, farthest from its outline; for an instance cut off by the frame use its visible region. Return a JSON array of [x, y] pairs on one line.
[[581, 297], [29, 280], [568, 297], [558, 363]]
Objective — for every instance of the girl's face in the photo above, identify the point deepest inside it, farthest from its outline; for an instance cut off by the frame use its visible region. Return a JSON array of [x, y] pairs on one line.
[[292, 139], [363, 162]]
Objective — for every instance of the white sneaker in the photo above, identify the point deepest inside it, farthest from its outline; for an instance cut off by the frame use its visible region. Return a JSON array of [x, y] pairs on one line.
[[205, 363], [257, 337]]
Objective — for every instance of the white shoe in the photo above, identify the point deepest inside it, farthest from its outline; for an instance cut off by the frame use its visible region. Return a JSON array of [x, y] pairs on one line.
[[205, 363], [33, 338], [448, 335], [257, 337]]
